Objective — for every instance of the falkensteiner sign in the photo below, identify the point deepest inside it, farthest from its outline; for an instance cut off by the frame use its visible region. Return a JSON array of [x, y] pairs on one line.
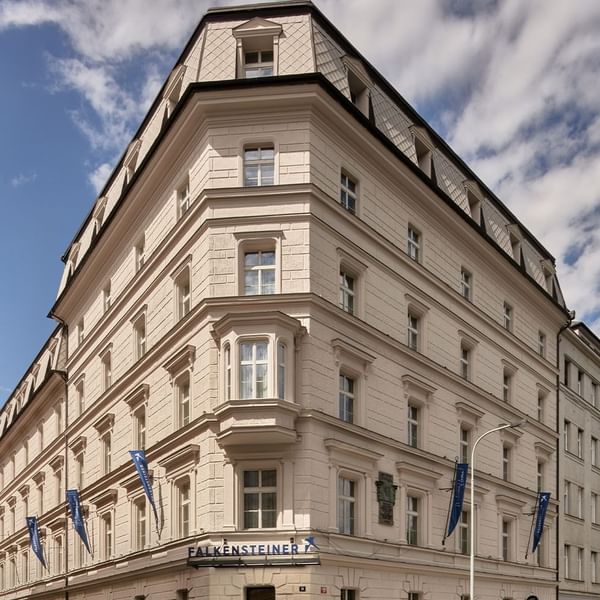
[[255, 554]]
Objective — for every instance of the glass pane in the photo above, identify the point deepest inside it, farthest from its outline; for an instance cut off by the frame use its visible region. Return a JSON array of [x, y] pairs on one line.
[[246, 352], [246, 381], [351, 186], [261, 381], [269, 518], [267, 175], [267, 153], [269, 478], [251, 57], [268, 281], [251, 259], [261, 352], [251, 502], [250, 478], [250, 520], [251, 283], [251, 153], [267, 258], [265, 71], [269, 501], [250, 175], [267, 56]]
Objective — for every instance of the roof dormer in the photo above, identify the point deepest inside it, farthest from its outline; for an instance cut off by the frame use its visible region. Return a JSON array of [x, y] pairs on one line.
[[257, 48]]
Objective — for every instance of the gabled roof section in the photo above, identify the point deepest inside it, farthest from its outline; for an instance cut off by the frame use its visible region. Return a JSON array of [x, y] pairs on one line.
[[257, 27]]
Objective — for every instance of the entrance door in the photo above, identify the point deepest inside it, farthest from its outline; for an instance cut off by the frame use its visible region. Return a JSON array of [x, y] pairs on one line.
[[260, 593]]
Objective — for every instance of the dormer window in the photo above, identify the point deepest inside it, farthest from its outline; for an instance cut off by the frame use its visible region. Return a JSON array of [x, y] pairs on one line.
[[257, 48], [359, 84], [423, 150], [515, 237], [173, 89], [474, 200]]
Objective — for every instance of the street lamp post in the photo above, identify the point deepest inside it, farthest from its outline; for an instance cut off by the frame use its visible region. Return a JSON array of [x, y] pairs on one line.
[[472, 528]]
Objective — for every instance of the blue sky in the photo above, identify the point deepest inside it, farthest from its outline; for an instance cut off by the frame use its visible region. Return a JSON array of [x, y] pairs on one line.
[[512, 85]]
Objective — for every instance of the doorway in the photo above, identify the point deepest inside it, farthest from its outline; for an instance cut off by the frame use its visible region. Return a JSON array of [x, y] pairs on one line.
[[260, 593]]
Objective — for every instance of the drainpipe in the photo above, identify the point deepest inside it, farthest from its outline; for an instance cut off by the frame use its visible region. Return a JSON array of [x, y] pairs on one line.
[[563, 328]]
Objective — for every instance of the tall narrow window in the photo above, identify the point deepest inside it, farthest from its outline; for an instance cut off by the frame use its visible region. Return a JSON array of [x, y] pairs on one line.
[[253, 370], [227, 359], [106, 441], [346, 505], [412, 520], [412, 333], [540, 475], [182, 392], [184, 502], [139, 424], [183, 293], [580, 442], [106, 297], [580, 564], [348, 187], [258, 63], [40, 503], [183, 198], [60, 489], [106, 370], [506, 386], [466, 280], [465, 443], [347, 292], [464, 533], [107, 535], [506, 539], [567, 497], [594, 507], [260, 499], [506, 452], [58, 553], [80, 396], [541, 344], [580, 383], [579, 511], [281, 369], [595, 395], [79, 471], [140, 523], [594, 451], [594, 566], [566, 440], [413, 247], [413, 425], [80, 332], [567, 551], [508, 316], [566, 372], [140, 254], [139, 334], [465, 362], [259, 166], [540, 406], [346, 398], [259, 272]]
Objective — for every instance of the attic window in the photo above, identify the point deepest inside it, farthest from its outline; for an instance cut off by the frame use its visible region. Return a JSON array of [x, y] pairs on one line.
[[257, 48], [173, 90], [548, 272], [423, 157], [359, 84], [130, 161], [474, 207], [515, 242]]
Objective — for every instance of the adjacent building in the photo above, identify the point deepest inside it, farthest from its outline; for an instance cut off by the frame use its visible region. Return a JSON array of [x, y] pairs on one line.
[[305, 308]]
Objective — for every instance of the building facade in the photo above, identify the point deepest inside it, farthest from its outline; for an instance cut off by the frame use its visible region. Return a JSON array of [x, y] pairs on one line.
[[579, 468], [305, 308]]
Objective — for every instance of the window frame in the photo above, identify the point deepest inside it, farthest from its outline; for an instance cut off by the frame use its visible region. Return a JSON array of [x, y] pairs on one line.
[[260, 491], [349, 192], [346, 511], [247, 242], [182, 402], [259, 465], [414, 243], [466, 284], [508, 316], [260, 163], [259, 268]]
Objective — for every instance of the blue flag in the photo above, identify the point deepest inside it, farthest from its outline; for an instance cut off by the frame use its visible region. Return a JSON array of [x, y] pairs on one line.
[[34, 539], [542, 507], [139, 460], [77, 517], [458, 494]]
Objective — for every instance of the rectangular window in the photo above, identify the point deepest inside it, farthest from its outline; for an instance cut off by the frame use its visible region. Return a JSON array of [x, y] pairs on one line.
[[79, 471], [60, 490], [566, 428], [107, 535], [580, 383], [183, 198], [80, 395], [594, 507], [106, 371], [413, 331], [140, 254], [106, 453], [184, 503], [506, 386], [258, 63], [139, 334], [40, 503], [182, 393], [347, 292], [580, 442], [567, 551], [594, 566], [595, 396], [465, 362], [139, 508], [508, 316], [506, 539], [463, 532], [567, 497], [58, 554], [106, 297], [414, 596], [281, 368], [260, 499], [259, 166], [412, 520], [346, 505], [412, 423], [465, 442], [413, 247], [579, 512], [540, 406], [139, 428], [259, 272], [465, 283], [183, 293], [580, 564], [227, 359], [541, 344], [346, 398], [506, 462], [348, 193], [594, 451], [540, 475], [80, 332], [253, 370], [566, 373]]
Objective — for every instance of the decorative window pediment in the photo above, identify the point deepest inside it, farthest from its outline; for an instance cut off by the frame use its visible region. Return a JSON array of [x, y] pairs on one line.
[[105, 498], [181, 460], [257, 27], [181, 360], [258, 320], [469, 413], [24, 491], [543, 450], [511, 436], [418, 472], [133, 485], [57, 462], [137, 396], [104, 423], [509, 503], [39, 478], [418, 390], [343, 452], [131, 157], [78, 445], [345, 351], [172, 91]]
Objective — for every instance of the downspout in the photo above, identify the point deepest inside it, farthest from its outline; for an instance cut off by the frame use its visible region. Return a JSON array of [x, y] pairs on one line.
[[563, 328]]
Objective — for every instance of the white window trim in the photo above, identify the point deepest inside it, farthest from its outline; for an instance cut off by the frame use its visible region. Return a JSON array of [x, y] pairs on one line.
[[260, 465], [262, 142], [260, 31], [252, 241], [177, 276]]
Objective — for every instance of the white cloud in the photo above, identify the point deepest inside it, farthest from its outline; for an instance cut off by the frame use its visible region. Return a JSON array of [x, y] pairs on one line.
[[99, 176], [23, 179]]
